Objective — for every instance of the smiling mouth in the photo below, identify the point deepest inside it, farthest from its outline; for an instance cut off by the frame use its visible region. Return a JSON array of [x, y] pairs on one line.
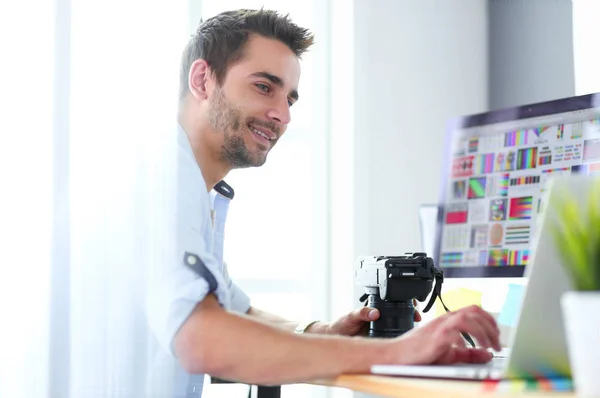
[[259, 133]]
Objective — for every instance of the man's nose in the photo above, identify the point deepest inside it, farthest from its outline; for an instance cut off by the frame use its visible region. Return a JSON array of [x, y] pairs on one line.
[[280, 112]]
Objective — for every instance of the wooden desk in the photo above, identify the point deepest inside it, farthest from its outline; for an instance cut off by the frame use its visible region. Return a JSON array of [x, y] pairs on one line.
[[406, 387]]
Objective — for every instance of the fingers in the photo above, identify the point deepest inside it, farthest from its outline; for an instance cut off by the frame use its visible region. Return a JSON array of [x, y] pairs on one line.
[[491, 328], [459, 341], [466, 322], [373, 314], [471, 320], [486, 316], [462, 354], [486, 325], [489, 324], [364, 329], [364, 314], [474, 355]]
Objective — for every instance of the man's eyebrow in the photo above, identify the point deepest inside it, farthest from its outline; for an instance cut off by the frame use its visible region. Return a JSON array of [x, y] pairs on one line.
[[277, 81]]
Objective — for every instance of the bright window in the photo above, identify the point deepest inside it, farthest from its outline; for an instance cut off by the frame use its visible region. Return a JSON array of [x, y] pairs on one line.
[[586, 30]]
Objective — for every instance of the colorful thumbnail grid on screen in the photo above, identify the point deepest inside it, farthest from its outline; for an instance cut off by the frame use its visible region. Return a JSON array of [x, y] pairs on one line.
[[496, 185]]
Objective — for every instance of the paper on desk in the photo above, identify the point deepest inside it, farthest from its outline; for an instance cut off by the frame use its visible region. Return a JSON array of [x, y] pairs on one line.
[[456, 299], [512, 306]]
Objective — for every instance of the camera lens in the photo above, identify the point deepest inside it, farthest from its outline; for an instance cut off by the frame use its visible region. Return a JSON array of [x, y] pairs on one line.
[[395, 317]]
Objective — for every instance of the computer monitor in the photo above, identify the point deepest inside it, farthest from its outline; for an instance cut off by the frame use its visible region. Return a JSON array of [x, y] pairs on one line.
[[494, 171]]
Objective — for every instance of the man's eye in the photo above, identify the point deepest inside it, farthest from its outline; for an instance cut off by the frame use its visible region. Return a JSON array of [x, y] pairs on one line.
[[263, 87], [290, 102]]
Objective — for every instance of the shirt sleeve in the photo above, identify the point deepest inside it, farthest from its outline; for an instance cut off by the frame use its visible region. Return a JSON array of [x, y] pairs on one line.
[[190, 271], [240, 302]]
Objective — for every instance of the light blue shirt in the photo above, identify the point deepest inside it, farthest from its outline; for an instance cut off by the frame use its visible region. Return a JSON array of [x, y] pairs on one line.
[[200, 219]]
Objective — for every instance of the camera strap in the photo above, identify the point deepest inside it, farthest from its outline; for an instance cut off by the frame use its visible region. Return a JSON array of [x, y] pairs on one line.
[[437, 292]]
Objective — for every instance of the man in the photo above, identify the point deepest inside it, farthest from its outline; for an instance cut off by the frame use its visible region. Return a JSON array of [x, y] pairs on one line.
[[239, 78]]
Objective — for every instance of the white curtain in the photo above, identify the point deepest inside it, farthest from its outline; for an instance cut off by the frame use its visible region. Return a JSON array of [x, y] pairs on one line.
[[26, 178], [88, 95]]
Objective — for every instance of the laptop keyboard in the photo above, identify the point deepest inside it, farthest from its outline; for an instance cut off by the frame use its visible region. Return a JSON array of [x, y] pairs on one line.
[[498, 362]]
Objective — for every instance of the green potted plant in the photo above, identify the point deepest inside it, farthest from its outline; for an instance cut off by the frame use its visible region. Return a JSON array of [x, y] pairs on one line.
[[574, 209]]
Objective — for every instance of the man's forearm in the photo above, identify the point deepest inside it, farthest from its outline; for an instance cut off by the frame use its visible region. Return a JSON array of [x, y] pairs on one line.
[[272, 319], [236, 347]]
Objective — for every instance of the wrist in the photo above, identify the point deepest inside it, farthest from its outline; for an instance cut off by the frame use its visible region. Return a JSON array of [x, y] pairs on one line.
[[306, 327], [318, 327], [360, 353], [315, 327]]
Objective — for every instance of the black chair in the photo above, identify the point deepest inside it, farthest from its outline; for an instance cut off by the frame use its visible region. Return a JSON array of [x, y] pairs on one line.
[[262, 391]]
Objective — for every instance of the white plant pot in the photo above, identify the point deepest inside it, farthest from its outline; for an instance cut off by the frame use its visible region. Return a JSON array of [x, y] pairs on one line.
[[581, 314]]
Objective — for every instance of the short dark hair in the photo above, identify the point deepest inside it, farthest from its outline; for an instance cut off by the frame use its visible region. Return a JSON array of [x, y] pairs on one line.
[[220, 40]]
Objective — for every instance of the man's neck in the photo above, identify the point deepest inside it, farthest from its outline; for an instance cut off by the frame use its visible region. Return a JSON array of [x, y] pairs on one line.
[[213, 170], [211, 164]]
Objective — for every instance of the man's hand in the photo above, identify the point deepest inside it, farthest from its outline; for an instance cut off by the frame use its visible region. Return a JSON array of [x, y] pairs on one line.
[[357, 322], [440, 341]]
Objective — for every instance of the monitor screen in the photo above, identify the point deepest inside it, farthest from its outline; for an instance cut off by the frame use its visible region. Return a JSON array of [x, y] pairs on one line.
[[493, 177]]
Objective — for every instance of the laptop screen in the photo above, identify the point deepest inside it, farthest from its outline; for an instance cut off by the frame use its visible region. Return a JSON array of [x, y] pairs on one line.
[[494, 173]]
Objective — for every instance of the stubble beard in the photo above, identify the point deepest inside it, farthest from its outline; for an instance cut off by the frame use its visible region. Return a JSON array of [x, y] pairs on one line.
[[225, 118]]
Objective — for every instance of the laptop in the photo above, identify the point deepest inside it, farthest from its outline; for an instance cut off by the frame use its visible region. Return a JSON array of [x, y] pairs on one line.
[[538, 344]]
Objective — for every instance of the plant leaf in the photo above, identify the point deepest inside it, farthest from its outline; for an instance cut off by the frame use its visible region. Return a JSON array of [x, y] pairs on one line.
[[575, 239]]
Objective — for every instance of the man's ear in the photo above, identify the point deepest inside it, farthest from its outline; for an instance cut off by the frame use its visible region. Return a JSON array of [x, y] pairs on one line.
[[198, 79]]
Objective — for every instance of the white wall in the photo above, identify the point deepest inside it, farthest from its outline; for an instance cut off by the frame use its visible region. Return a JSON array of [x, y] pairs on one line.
[[417, 64], [531, 51], [414, 64]]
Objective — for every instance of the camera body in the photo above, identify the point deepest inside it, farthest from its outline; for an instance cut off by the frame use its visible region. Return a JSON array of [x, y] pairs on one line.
[[391, 283]]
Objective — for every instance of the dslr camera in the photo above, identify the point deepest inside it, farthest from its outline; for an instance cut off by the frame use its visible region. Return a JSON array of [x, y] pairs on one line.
[[391, 284]]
